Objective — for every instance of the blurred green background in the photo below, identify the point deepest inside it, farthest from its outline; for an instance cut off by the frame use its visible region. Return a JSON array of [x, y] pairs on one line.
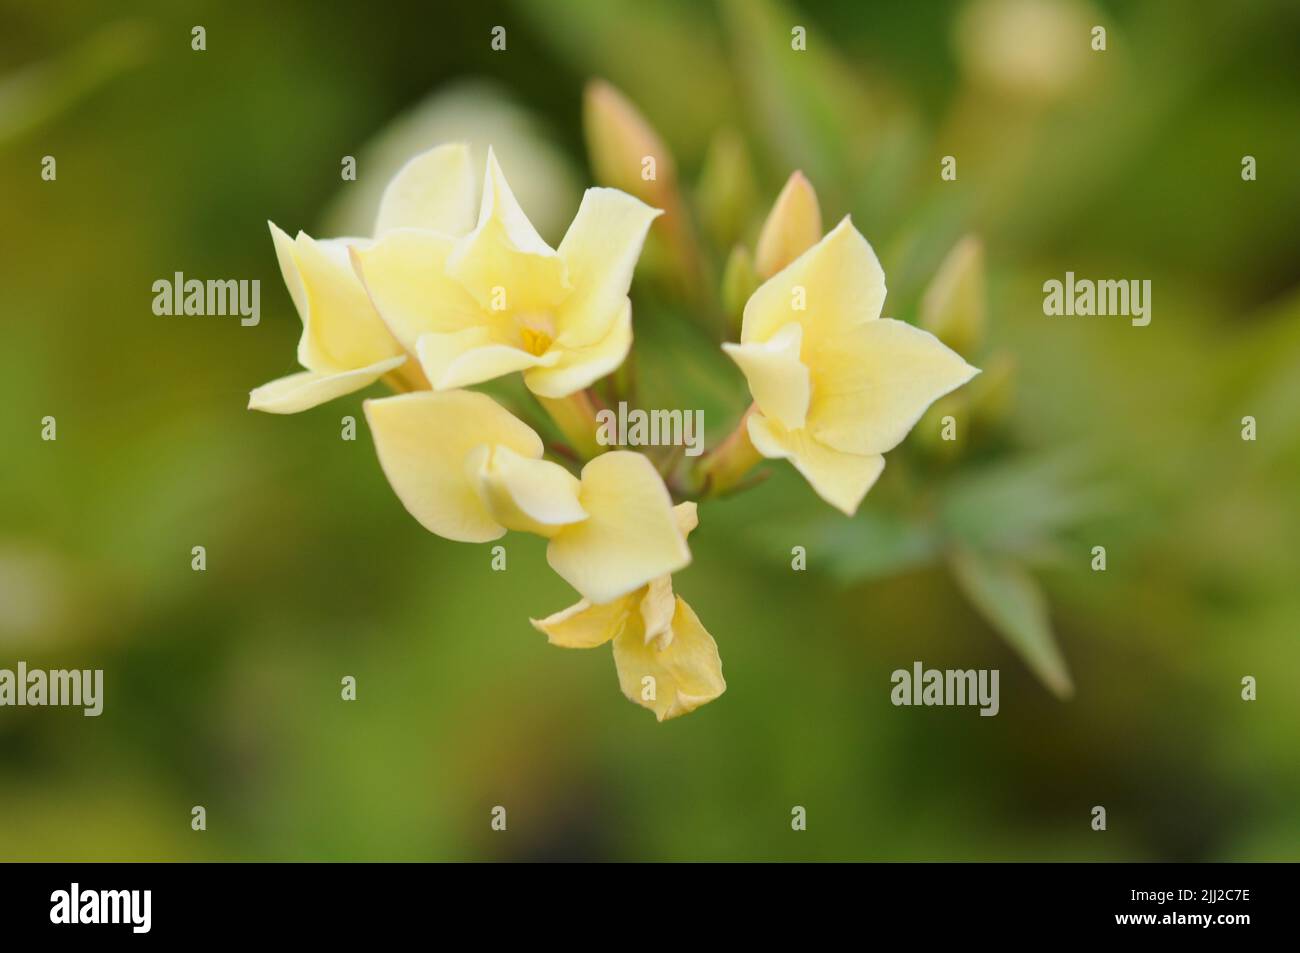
[[222, 687]]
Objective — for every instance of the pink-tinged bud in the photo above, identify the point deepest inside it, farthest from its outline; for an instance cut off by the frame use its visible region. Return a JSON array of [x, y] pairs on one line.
[[626, 152], [793, 226]]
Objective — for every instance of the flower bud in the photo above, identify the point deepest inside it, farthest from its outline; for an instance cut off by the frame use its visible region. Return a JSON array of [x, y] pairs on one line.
[[793, 226], [738, 283], [725, 194], [953, 306], [626, 152]]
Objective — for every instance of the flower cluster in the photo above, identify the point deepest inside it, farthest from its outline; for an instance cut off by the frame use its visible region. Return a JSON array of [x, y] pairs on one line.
[[456, 288]]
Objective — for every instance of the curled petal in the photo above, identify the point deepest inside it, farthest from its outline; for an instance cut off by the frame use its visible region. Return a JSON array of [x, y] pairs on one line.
[[579, 367], [630, 535], [833, 286], [424, 441], [435, 190], [600, 252], [584, 625], [841, 479], [524, 493], [687, 516], [778, 379], [340, 329], [675, 680], [404, 273], [302, 391], [503, 263], [657, 607], [471, 356], [872, 384]]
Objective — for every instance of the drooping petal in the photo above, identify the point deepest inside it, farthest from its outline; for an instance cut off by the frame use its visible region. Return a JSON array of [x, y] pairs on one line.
[[340, 329], [524, 493], [657, 607], [675, 680], [792, 227], [630, 535], [835, 285], [579, 367], [872, 384], [687, 515], [423, 441], [600, 251], [471, 356], [778, 379], [435, 190], [404, 273], [307, 389], [503, 263], [841, 479], [284, 256], [584, 625]]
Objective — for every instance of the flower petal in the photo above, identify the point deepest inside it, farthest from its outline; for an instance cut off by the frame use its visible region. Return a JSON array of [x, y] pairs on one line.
[[600, 251], [579, 367], [434, 190], [340, 329], [687, 515], [468, 357], [524, 493], [838, 281], [630, 535], [584, 625], [841, 479], [778, 379], [503, 263], [872, 384], [675, 680], [423, 441], [307, 389], [657, 607], [404, 274]]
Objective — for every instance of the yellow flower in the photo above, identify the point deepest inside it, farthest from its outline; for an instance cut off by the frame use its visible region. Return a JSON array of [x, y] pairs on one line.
[[469, 470], [835, 386], [345, 346], [477, 303], [666, 660]]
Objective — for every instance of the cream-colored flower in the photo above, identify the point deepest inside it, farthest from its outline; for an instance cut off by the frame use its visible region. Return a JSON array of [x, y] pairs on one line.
[[835, 385], [666, 660], [345, 346], [481, 302], [469, 470]]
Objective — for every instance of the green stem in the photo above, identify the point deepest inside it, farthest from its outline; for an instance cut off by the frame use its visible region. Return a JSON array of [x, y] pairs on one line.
[[575, 415], [724, 467]]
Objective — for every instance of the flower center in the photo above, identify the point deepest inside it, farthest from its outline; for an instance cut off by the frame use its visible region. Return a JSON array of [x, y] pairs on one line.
[[536, 332]]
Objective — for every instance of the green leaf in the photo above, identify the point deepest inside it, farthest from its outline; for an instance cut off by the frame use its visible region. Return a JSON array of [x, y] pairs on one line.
[[632, 44], [875, 544], [1011, 601], [807, 104], [43, 91], [1017, 507]]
